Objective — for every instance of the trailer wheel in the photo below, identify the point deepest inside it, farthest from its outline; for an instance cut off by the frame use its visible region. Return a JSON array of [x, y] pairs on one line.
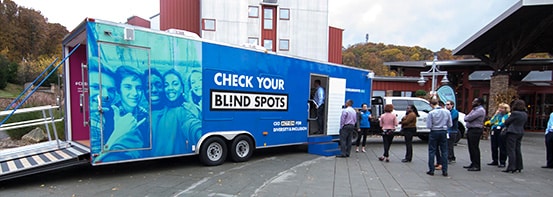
[[213, 152], [241, 148]]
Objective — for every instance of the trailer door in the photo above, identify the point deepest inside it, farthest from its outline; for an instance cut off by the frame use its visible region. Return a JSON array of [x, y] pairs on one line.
[[336, 98], [123, 115]]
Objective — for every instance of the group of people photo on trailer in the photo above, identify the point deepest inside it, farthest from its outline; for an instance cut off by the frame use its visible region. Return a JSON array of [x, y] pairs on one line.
[[144, 110]]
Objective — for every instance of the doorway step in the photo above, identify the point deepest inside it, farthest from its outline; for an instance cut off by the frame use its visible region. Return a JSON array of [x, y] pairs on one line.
[[322, 145]]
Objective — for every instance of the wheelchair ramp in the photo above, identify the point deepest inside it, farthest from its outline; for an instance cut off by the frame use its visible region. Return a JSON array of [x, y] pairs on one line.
[[41, 157]]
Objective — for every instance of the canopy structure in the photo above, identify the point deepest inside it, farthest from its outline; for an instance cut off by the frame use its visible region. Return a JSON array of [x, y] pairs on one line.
[[526, 27]]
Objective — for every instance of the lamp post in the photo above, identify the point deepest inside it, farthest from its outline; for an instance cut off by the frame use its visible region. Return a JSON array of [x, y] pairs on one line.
[[433, 72]]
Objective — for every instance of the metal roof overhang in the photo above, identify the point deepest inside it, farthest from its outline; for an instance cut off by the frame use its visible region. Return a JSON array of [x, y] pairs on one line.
[[518, 21], [465, 62]]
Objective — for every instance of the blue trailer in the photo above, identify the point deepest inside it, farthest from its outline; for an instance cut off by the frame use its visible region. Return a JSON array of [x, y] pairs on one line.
[[134, 93]]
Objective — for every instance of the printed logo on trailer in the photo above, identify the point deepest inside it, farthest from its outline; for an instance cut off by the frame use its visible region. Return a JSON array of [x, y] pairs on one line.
[[234, 100]]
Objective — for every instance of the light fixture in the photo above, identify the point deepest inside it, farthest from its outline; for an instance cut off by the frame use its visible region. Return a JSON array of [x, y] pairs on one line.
[[421, 81], [445, 80]]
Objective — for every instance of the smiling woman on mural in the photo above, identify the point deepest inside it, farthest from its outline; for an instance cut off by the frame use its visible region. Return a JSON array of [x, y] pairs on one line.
[[174, 89]]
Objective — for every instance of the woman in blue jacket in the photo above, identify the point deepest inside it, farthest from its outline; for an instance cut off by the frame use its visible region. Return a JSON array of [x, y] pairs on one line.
[[364, 125]]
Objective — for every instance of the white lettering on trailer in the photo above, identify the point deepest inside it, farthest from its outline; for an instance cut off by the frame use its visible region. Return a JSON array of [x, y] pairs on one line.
[[245, 81], [222, 100], [223, 79], [270, 83]]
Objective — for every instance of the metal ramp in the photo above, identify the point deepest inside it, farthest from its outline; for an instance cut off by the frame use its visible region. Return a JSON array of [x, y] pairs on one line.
[[41, 157]]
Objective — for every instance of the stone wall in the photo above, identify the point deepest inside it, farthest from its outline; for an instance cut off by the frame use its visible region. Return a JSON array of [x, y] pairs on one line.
[[499, 84]]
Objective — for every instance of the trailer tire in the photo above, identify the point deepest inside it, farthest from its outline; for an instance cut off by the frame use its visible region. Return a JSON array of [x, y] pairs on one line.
[[241, 148], [213, 151]]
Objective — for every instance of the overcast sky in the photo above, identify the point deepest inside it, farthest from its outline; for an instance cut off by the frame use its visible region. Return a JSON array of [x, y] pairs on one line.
[[432, 24]]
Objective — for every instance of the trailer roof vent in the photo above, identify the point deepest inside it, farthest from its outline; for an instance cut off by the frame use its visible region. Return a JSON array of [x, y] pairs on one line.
[[129, 34], [183, 33]]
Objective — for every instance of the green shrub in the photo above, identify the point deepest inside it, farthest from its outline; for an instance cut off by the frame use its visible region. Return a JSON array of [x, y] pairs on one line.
[[420, 93]]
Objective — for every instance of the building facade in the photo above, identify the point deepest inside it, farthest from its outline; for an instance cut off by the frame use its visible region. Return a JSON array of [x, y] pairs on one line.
[[291, 27]]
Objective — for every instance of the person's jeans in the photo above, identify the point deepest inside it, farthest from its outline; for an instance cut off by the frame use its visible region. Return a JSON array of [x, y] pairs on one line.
[[387, 141], [345, 139], [362, 134], [450, 146], [437, 138], [549, 149], [320, 119], [473, 140], [408, 134], [499, 152]]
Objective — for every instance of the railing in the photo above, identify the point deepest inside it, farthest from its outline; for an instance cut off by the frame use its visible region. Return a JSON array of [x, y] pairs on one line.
[[47, 119]]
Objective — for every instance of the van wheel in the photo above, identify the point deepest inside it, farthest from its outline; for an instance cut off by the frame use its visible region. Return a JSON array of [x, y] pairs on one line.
[[241, 148], [213, 151]]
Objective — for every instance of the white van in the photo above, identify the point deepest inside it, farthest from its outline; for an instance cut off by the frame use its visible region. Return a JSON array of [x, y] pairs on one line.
[[423, 107]]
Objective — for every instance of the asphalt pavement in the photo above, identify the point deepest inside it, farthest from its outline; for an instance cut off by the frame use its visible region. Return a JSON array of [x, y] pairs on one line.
[[291, 171], [362, 174]]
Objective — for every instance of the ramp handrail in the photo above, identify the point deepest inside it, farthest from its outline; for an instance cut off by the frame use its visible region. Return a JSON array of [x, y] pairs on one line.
[[31, 85], [46, 120], [38, 85]]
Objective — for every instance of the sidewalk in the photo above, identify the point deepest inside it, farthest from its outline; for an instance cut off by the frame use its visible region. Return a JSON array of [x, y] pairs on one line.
[[363, 174]]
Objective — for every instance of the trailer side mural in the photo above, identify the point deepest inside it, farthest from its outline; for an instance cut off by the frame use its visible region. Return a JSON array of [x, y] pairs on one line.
[[142, 95]]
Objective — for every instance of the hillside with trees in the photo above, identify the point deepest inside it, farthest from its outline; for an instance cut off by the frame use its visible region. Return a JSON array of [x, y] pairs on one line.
[[28, 43], [373, 55]]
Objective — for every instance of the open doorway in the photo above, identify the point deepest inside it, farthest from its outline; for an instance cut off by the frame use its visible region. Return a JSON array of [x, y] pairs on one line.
[[317, 104]]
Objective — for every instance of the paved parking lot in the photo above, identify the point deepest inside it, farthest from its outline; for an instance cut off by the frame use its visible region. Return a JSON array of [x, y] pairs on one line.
[[363, 174], [290, 171]]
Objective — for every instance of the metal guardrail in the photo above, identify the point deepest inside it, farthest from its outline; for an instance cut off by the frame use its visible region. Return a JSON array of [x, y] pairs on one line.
[[46, 120]]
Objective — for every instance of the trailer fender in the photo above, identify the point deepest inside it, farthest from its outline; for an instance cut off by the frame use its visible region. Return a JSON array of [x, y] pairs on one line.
[[228, 135]]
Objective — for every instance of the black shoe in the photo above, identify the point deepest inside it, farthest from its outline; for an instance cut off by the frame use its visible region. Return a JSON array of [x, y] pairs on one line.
[[405, 160], [547, 167], [473, 169], [430, 173], [493, 163], [509, 171], [501, 166], [341, 156], [469, 166], [444, 173]]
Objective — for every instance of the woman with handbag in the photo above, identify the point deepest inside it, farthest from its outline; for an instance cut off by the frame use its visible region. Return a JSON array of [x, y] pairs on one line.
[[409, 128], [388, 122], [513, 135], [499, 152]]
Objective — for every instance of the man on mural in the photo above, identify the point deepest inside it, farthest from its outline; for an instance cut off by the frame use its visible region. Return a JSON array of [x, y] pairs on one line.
[[319, 100], [347, 127]]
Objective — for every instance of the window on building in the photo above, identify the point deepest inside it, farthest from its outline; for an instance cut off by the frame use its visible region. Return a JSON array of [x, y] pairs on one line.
[[253, 11], [379, 93], [284, 44], [268, 44], [284, 14], [252, 40], [208, 24], [267, 18]]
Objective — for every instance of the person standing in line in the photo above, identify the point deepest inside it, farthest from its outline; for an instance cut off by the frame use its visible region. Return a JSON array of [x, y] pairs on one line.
[[499, 153], [388, 122], [438, 121], [475, 125], [452, 131], [320, 101], [364, 126], [549, 142], [409, 128], [347, 125], [515, 131], [438, 165]]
